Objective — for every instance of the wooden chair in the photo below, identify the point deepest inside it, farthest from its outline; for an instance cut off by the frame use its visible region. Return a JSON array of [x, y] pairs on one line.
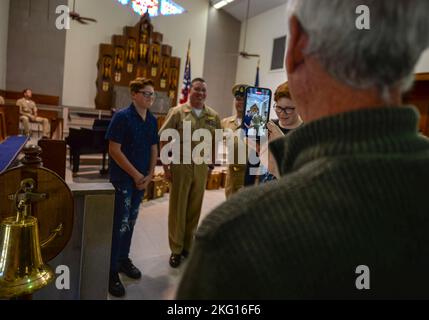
[[54, 156], [12, 119], [3, 128]]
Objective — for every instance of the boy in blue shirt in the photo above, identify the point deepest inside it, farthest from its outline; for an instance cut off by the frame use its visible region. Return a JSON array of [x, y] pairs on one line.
[[133, 150]]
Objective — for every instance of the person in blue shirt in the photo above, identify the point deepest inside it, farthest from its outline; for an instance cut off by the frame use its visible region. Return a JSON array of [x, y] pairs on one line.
[[247, 121], [133, 150]]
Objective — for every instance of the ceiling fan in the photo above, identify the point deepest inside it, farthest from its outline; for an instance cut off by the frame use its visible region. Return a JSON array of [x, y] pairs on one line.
[[76, 16], [244, 53]]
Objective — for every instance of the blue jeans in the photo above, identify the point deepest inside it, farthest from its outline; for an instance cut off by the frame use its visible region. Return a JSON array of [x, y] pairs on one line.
[[127, 203]]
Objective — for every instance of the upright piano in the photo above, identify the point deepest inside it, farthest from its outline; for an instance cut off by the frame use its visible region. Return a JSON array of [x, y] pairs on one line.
[[85, 141]]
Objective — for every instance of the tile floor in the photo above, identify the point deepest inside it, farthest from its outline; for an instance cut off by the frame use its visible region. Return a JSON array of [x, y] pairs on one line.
[[150, 251]]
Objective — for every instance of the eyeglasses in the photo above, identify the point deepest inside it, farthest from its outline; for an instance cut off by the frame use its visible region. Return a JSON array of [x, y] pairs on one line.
[[286, 110], [147, 94]]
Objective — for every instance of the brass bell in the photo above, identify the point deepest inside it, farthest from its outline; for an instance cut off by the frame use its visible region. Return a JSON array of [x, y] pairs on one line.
[[22, 271]]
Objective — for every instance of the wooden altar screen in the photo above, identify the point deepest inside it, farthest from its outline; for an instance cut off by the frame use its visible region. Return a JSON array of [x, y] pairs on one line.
[[139, 52]]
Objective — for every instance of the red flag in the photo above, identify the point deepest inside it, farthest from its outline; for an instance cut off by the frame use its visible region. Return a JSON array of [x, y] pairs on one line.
[[187, 77]]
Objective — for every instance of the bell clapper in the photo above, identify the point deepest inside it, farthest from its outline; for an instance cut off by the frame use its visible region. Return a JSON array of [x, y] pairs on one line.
[[22, 213]]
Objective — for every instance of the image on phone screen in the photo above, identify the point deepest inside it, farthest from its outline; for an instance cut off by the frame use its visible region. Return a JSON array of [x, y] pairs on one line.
[[257, 111]]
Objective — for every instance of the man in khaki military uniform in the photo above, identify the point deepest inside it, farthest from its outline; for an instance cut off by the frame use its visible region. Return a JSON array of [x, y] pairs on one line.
[[188, 181], [28, 113], [1, 100], [236, 171]]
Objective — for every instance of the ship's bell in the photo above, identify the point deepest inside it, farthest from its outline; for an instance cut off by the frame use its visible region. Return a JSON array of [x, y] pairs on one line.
[[22, 270]]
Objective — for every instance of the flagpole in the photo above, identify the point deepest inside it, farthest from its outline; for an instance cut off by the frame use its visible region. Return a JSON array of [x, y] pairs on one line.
[[189, 47], [257, 74], [187, 76]]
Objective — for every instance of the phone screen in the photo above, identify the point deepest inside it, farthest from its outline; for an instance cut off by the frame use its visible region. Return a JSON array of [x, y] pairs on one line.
[[257, 111]]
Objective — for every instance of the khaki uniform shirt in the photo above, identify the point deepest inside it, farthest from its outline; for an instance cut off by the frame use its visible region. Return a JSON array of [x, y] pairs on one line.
[[234, 123], [236, 171], [208, 119], [26, 107], [1, 100]]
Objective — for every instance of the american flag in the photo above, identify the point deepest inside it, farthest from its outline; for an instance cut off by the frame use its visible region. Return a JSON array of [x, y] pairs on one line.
[[187, 77]]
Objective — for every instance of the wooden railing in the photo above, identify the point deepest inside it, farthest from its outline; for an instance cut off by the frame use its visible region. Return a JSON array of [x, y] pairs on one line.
[[38, 98], [11, 113]]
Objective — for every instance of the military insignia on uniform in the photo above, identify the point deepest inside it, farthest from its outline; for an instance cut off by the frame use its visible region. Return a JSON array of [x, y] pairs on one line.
[[239, 90], [211, 123]]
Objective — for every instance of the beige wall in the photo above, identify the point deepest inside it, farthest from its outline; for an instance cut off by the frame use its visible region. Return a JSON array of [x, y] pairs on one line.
[[35, 49], [82, 42], [220, 68], [262, 30], [4, 22]]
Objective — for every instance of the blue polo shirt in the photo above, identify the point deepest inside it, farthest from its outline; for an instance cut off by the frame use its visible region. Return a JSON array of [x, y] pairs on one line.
[[136, 137]]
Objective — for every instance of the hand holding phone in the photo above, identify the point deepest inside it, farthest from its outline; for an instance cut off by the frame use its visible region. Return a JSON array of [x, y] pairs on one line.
[[274, 131]]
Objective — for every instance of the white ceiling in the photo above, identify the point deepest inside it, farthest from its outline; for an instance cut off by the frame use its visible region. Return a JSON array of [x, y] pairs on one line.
[[238, 8]]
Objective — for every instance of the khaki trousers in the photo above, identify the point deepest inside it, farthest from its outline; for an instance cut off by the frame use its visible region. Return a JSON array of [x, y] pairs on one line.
[[45, 123], [234, 179], [186, 199]]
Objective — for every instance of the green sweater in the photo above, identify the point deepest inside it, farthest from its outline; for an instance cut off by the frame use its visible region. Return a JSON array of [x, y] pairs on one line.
[[353, 192]]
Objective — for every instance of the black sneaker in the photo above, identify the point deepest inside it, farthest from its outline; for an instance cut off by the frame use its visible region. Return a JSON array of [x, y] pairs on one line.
[[130, 270], [175, 260], [116, 288]]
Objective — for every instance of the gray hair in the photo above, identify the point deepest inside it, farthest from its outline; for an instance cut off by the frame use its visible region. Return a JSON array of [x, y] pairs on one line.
[[383, 57]]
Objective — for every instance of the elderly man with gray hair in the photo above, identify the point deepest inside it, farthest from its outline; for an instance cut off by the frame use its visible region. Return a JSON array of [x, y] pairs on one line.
[[350, 217]]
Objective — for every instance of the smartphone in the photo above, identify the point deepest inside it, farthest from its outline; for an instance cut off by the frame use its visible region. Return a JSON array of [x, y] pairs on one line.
[[257, 111]]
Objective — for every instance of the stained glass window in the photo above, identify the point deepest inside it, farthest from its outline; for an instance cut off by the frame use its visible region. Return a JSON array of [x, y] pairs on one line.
[[141, 6], [167, 7]]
